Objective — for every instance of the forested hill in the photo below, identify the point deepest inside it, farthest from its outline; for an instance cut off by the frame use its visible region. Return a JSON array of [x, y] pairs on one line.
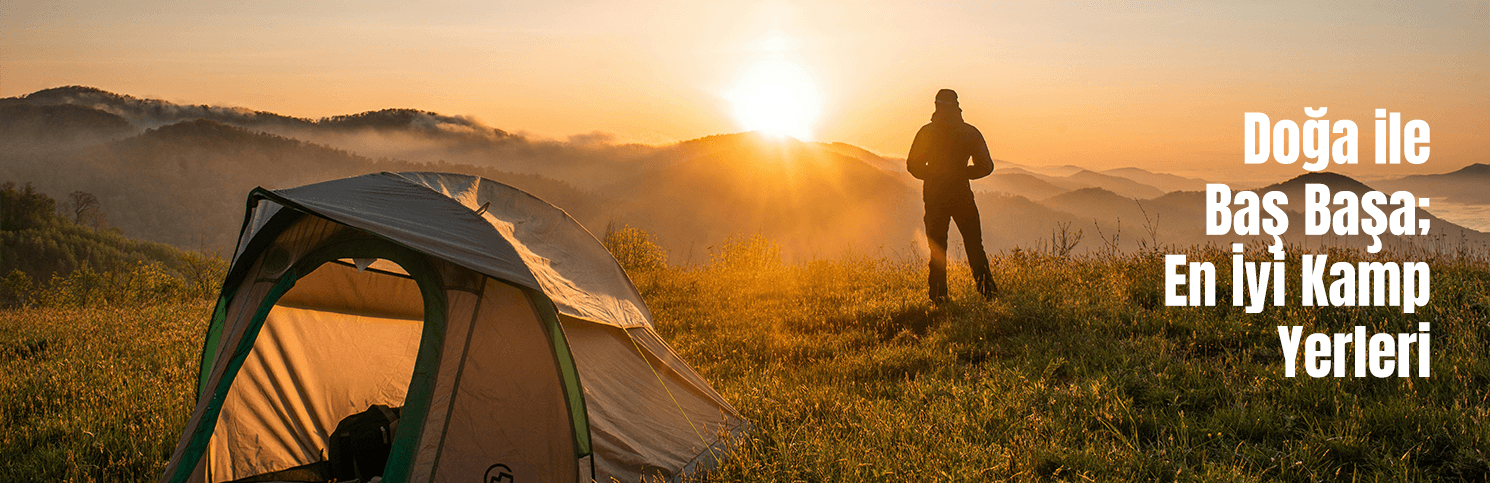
[[38, 241], [179, 174], [184, 184]]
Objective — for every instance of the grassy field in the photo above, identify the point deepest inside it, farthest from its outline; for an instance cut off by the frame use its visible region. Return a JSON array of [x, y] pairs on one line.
[[1077, 372], [96, 394]]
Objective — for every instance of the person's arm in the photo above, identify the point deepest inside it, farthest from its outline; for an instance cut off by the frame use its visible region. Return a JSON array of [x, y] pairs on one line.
[[982, 161], [915, 162]]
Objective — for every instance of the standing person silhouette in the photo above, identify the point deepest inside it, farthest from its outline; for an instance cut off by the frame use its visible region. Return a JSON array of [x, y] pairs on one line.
[[939, 156]]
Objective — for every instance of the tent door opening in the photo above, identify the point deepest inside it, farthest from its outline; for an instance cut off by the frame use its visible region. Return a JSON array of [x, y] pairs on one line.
[[343, 340]]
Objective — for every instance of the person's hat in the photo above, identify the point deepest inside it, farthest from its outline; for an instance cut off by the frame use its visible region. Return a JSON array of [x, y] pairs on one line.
[[946, 95]]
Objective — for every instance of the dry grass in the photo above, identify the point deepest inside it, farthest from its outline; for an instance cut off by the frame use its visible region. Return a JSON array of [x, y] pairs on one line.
[[96, 394], [1076, 372]]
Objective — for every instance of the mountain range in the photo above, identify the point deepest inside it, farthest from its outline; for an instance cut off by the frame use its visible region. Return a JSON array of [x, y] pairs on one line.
[[177, 174]]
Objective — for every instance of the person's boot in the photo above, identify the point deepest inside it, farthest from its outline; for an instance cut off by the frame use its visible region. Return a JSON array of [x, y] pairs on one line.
[[989, 290], [937, 290], [986, 286]]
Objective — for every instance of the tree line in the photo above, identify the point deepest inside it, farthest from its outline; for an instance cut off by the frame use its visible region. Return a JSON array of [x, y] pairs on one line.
[[65, 254]]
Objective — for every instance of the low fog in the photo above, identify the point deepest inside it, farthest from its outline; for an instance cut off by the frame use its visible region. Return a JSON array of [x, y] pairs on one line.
[[179, 175]]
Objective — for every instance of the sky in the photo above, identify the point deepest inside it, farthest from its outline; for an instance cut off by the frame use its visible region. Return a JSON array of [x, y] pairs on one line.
[[1161, 86]]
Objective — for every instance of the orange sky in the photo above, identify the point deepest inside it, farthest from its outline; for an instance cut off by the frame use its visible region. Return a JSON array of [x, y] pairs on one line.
[[1094, 84]]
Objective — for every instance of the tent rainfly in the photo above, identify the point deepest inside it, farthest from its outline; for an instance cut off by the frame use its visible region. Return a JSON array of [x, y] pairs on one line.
[[512, 344]]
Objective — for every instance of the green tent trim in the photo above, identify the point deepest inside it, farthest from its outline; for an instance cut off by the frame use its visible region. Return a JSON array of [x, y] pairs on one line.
[[426, 362]]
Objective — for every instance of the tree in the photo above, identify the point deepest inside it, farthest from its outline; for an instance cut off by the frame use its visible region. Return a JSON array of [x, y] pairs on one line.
[[24, 208], [634, 249], [83, 203], [19, 284]]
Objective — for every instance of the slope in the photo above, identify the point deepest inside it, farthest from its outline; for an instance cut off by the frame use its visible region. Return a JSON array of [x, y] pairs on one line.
[[184, 184], [810, 199]]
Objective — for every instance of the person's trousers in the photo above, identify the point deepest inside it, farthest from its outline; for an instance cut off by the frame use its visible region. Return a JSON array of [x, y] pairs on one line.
[[965, 212]]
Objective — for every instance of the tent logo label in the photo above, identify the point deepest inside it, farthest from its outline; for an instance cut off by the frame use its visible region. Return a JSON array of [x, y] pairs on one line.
[[498, 473]]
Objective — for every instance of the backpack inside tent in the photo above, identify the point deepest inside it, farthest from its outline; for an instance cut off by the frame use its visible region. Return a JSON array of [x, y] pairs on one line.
[[437, 327]]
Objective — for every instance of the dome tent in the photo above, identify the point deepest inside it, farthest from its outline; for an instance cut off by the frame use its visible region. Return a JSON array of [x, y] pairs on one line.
[[513, 342]]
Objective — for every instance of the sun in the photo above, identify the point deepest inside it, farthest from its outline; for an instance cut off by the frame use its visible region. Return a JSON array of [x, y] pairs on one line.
[[776, 96]]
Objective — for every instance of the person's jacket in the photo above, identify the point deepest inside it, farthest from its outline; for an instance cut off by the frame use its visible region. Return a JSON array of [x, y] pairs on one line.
[[940, 154]]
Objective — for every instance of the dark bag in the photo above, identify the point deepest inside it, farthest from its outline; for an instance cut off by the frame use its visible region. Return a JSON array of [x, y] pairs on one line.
[[360, 445]]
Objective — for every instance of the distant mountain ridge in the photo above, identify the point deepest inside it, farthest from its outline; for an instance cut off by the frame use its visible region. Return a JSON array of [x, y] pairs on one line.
[[183, 184], [807, 196], [177, 174], [1074, 180], [1466, 185], [150, 113], [47, 126], [147, 113], [1165, 182]]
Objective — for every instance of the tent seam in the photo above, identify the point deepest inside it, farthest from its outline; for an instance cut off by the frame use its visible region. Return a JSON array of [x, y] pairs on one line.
[[670, 395], [286, 201], [646, 312], [460, 370]]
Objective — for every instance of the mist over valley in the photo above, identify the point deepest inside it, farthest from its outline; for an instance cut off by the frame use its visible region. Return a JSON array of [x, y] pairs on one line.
[[178, 174]]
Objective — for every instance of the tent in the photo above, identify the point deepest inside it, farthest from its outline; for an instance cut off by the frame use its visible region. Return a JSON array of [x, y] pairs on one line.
[[514, 344]]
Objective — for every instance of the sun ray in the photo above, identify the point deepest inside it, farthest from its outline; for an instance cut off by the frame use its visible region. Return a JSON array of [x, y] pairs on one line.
[[776, 95]]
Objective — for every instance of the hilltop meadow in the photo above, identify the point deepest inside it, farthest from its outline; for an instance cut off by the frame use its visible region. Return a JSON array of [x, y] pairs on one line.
[[817, 328], [1075, 372]]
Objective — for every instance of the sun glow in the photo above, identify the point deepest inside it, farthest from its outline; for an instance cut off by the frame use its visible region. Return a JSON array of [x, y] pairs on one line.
[[776, 96]]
